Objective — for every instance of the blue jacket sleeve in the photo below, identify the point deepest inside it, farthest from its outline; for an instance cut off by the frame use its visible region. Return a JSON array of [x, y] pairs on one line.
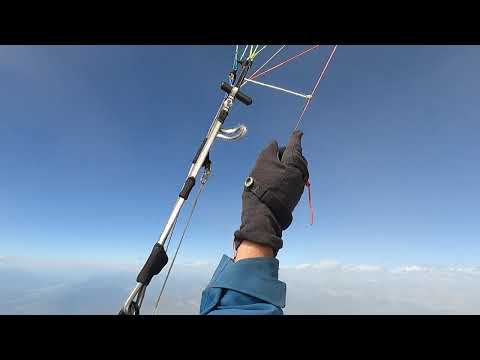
[[246, 287]]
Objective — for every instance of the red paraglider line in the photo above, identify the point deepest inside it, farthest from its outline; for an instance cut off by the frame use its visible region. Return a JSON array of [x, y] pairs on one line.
[[316, 86], [254, 76], [310, 203]]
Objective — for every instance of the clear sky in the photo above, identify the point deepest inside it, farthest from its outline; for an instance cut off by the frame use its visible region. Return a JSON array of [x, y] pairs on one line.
[[95, 143]]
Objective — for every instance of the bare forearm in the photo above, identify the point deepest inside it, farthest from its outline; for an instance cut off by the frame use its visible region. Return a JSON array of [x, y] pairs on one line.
[[248, 249]]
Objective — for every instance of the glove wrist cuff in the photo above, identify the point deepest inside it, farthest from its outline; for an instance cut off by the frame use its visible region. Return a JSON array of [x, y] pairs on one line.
[[259, 225]]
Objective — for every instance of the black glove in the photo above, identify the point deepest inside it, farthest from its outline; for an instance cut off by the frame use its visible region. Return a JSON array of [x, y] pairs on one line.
[[271, 192]]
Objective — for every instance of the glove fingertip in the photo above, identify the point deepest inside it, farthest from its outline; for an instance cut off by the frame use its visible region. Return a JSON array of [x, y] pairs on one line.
[[297, 135], [296, 140], [272, 148]]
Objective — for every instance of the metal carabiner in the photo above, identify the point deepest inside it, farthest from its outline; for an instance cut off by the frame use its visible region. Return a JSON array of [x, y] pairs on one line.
[[132, 307]]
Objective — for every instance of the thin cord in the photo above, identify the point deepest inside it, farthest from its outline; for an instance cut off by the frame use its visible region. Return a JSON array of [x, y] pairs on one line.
[[170, 235], [178, 246], [278, 88], [315, 88], [250, 53], [244, 51], [284, 62], [259, 51], [235, 58], [271, 58]]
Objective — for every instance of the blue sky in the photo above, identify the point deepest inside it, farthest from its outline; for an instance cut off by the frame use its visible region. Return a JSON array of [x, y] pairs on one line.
[[95, 142]]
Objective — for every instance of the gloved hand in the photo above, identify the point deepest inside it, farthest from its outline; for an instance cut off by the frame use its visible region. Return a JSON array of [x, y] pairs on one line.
[[271, 193]]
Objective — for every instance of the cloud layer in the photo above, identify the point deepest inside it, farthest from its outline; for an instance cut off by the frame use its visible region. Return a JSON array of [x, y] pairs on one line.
[[327, 287], [332, 288]]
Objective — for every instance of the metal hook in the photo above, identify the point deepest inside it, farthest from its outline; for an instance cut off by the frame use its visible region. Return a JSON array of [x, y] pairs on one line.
[[232, 134], [132, 307]]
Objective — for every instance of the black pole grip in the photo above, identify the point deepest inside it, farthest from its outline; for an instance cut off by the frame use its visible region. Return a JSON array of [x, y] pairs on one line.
[[187, 187], [247, 100], [155, 263]]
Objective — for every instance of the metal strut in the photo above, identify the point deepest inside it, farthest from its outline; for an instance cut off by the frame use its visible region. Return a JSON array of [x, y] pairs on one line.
[[206, 174], [158, 257]]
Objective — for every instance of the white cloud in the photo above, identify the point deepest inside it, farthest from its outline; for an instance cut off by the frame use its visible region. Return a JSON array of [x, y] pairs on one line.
[[303, 266], [322, 265], [367, 268], [412, 268], [65, 264], [325, 287], [441, 270], [335, 265], [327, 265]]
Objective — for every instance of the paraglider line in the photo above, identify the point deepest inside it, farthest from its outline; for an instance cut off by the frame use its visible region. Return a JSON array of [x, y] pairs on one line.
[[253, 77], [316, 86]]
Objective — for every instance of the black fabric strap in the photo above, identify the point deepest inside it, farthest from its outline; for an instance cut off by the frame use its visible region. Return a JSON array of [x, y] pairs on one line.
[[279, 210]]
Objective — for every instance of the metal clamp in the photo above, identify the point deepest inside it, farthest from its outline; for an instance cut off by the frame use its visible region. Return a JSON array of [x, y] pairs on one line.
[[206, 174]]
